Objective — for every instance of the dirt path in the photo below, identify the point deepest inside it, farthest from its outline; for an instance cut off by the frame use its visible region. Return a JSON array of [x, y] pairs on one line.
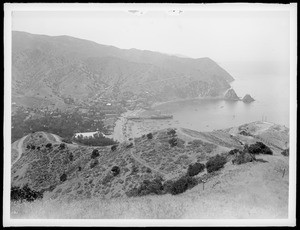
[[146, 165], [19, 148], [57, 138]]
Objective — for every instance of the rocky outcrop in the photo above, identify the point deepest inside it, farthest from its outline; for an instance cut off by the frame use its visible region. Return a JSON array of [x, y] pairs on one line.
[[247, 98], [231, 95]]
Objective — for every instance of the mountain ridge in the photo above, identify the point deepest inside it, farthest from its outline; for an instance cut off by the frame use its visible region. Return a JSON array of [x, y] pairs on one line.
[[42, 67]]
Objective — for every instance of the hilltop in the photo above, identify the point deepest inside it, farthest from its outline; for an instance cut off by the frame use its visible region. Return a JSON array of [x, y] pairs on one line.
[[59, 70], [70, 172]]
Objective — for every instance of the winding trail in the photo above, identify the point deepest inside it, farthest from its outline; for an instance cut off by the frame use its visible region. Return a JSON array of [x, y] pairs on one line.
[[19, 149], [57, 138], [145, 164]]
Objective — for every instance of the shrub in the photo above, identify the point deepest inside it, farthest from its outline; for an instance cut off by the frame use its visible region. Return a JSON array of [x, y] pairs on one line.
[[167, 186], [172, 132], [114, 147], [71, 157], [95, 154], [79, 168], [233, 151], [115, 170], [147, 187], [258, 148], [182, 184], [215, 163], [286, 152], [49, 145], [38, 148], [63, 177], [195, 169], [28, 147], [149, 135], [173, 142], [129, 145], [32, 147], [243, 157], [62, 146], [67, 140], [25, 193], [94, 163]]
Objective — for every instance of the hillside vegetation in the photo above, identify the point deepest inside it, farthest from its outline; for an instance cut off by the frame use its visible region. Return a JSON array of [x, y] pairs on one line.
[[166, 163]]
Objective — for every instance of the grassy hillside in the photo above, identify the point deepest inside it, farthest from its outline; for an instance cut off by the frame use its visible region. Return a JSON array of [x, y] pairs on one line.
[[85, 177]]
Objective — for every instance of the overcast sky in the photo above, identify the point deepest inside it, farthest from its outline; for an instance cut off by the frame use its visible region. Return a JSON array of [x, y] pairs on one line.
[[225, 36]]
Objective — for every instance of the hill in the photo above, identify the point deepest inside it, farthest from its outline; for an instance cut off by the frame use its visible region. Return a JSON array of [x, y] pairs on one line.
[[73, 173], [47, 70]]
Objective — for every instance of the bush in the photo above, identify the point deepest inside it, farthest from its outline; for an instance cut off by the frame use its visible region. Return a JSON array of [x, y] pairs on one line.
[[172, 132], [25, 193], [286, 152], [182, 184], [149, 135], [62, 146], [32, 147], [147, 187], [71, 157], [63, 177], [215, 163], [95, 154], [129, 145], [94, 163], [233, 151], [115, 170], [167, 186], [173, 142], [195, 169], [67, 140], [49, 145], [114, 147], [259, 148], [243, 157]]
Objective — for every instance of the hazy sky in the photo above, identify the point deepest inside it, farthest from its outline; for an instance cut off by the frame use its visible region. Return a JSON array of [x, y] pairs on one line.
[[225, 36]]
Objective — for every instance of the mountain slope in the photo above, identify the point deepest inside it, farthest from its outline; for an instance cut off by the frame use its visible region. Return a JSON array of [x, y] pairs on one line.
[[42, 168], [51, 68]]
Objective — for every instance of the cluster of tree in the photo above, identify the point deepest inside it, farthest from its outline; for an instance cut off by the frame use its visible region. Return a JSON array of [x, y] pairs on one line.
[[158, 187], [64, 124], [24, 194], [96, 140]]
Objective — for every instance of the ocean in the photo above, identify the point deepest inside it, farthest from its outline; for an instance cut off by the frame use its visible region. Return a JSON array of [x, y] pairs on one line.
[[271, 94]]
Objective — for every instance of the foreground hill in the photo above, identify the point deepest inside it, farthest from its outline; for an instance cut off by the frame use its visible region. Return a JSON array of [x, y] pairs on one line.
[[46, 70], [257, 189], [71, 172]]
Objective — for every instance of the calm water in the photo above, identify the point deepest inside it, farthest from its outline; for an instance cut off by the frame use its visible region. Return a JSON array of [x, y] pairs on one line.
[[272, 101]]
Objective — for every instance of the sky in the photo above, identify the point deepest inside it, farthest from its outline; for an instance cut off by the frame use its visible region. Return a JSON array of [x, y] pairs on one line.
[[258, 40]]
